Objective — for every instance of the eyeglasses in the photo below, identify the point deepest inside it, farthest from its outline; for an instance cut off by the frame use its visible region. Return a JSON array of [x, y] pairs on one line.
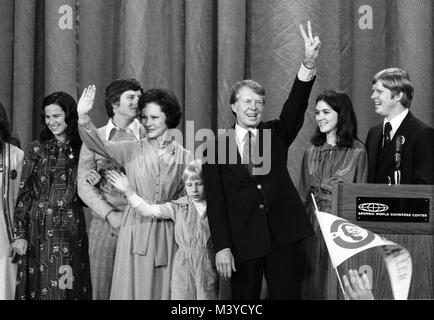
[[249, 102]]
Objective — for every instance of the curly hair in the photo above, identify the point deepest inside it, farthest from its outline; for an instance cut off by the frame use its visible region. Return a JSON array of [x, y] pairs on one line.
[[69, 106], [346, 127], [168, 103]]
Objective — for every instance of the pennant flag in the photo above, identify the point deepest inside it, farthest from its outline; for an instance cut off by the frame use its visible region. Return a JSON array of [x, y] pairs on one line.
[[345, 239]]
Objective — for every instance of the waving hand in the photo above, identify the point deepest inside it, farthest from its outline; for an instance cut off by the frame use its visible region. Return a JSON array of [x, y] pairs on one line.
[[85, 104]]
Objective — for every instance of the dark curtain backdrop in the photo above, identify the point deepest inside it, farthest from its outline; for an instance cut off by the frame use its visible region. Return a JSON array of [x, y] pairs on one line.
[[199, 48]]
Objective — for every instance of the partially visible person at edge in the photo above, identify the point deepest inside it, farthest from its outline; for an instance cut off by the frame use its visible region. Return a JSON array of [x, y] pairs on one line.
[[257, 220], [154, 166], [106, 203], [50, 224], [11, 158], [336, 156], [392, 96]]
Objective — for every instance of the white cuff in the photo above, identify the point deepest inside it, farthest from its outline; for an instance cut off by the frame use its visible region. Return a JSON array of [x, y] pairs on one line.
[[306, 74], [135, 200]]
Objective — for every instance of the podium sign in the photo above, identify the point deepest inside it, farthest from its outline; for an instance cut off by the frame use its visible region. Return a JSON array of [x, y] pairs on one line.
[[411, 226], [392, 209]]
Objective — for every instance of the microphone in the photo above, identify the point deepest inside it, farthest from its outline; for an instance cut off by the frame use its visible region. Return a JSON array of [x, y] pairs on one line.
[[398, 147]]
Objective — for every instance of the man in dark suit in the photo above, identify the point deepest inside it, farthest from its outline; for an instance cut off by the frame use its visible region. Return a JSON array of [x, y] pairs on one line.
[[401, 142], [256, 216]]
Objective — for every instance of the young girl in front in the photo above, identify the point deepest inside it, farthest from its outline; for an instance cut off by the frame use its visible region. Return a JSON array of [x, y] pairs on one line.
[[194, 276]]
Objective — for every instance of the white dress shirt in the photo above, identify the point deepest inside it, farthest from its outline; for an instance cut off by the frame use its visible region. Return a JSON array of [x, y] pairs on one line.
[[240, 133], [396, 122], [134, 127]]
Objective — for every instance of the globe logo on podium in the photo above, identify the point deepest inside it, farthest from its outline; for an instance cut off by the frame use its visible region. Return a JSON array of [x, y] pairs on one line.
[[373, 207]]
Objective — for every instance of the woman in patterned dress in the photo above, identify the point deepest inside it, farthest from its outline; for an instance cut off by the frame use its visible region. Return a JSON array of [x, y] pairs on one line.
[[11, 158], [50, 225], [336, 156]]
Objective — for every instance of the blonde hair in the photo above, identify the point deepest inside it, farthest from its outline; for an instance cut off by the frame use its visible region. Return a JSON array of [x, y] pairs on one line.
[[193, 170], [396, 80]]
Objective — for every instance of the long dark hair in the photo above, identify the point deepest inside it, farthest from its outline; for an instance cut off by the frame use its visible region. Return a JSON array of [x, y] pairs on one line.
[[69, 106], [5, 129], [346, 128]]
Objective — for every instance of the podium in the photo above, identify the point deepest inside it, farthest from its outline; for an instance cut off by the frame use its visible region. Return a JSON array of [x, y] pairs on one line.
[[409, 228]]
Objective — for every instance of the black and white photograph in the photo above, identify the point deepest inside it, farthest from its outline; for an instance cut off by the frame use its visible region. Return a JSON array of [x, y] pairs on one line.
[[215, 158]]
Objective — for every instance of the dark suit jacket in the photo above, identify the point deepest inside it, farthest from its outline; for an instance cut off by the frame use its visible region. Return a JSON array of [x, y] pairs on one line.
[[417, 154], [245, 211]]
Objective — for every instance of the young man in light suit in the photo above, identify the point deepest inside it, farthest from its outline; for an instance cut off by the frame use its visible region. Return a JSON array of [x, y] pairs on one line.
[[106, 203]]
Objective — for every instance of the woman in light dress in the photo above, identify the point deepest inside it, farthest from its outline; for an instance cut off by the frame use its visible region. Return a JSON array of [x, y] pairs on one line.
[[154, 166]]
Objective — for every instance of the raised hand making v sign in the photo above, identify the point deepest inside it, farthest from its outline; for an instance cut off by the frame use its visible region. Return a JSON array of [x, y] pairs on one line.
[[311, 46]]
